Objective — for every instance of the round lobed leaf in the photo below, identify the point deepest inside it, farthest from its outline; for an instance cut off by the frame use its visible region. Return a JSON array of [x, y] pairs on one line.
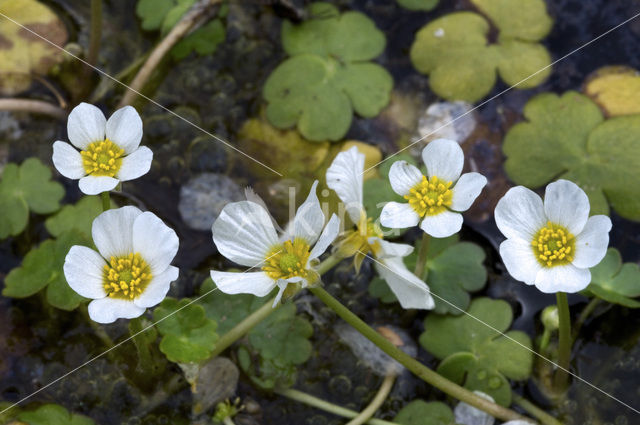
[[420, 412]]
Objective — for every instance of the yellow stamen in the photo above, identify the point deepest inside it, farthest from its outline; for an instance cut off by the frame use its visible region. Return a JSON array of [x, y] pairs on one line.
[[126, 277], [553, 245], [102, 158], [430, 197], [288, 260]]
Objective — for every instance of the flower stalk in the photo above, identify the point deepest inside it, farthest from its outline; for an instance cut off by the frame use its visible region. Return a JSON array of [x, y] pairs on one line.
[[417, 368], [106, 201], [560, 380], [423, 251], [380, 397]]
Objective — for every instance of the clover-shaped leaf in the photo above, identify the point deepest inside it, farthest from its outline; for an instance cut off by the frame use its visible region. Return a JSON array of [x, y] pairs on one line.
[[267, 373], [418, 4], [78, 216], [42, 267], [567, 137], [420, 412], [328, 75], [455, 51], [162, 14], [188, 336], [475, 353], [23, 188], [203, 41], [454, 269], [23, 55], [52, 414], [616, 89], [615, 282]]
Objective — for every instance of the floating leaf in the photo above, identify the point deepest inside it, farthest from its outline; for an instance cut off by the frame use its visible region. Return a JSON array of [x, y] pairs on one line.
[[203, 41], [615, 282], [454, 269], [22, 53], [162, 14], [566, 137], [418, 4], [52, 414], [42, 267], [420, 412], [616, 89], [455, 51], [78, 217], [328, 75], [267, 373], [476, 355], [188, 336], [23, 188]]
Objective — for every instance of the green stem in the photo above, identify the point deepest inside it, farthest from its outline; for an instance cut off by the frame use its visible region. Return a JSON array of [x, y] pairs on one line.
[[417, 368], [318, 403], [106, 201], [544, 341], [584, 315], [380, 397], [535, 410], [96, 31], [422, 256], [560, 380]]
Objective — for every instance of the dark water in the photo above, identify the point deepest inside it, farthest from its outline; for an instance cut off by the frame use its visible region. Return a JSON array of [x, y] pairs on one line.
[[219, 92]]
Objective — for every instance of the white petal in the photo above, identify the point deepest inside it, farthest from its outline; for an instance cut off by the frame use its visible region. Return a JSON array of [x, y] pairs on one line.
[[444, 159], [92, 185], [244, 233], [566, 204], [157, 289], [156, 242], [282, 285], [520, 261], [328, 235], [442, 225], [567, 278], [136, 164], [309, 219], [389, 249], [112, 231], [108, 310], [86, 125], [403, 176], [520, 214], [467, 190], [83, 269], [257, 283], [592, 242], [407, 287], [398, 216], [67, 160], [344, 176], [124, 128]]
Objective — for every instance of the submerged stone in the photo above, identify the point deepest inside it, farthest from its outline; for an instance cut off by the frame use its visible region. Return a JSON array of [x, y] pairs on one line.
[[203, 197]]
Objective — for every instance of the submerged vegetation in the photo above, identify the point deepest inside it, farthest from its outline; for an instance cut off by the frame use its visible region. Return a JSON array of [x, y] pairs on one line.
[[316, 213]]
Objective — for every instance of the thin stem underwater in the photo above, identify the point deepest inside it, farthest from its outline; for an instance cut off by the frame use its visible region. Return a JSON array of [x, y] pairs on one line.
[[423, 251], [561, 378]]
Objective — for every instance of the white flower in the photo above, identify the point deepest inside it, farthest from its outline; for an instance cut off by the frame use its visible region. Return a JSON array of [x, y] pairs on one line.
[[551, 244], [245, 234], [437, 198], [344, 176], [110, 151], [131, 270]]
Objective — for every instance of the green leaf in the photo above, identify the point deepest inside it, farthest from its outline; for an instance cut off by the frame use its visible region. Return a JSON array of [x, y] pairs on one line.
[[615, 282], [42, 267], [418, 4], [267, 374], [567, 137], [188, 336], [474, 351], [327, 77], [52, 414], [420, 412], [525, 20], [376, 193], [23, 188], [203, 41], [153, 12], [378, 288], [78, 217], [455, 51]]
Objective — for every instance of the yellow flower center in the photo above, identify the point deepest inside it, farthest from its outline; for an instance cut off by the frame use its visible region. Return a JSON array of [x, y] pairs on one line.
[[430, 197], [553, 245], [126, 277], [102, 158], [288, 260]]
